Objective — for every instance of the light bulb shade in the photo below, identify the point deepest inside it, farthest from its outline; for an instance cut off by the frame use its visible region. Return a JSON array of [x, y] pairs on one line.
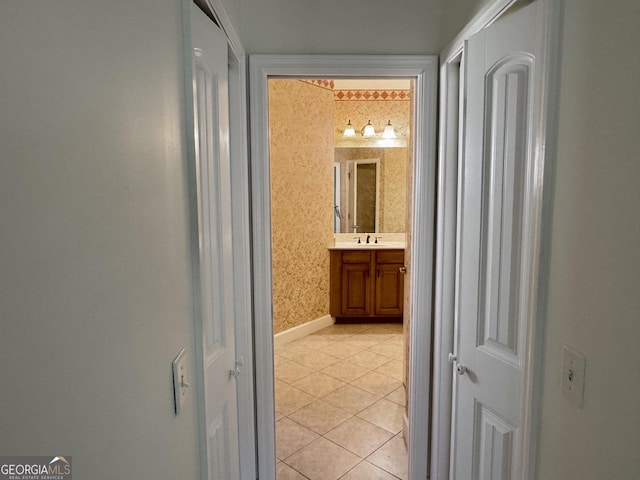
[[368, 130], [349, 131], [389, 132]]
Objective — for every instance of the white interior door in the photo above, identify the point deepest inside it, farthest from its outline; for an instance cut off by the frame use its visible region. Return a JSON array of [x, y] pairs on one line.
[[497, 251], [211, 122]]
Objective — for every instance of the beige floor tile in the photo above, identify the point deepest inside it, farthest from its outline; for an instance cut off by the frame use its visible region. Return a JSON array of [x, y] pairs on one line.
[[345, 371], [291, 351], [341, 349], [317, 360], [359, 436], [279, 360], [377, 383], [392, 457], [337, 333], [320, 416], [285, 472], [279, 384], [398, 340], [323, 460], [291, 437], [393, 369], [291, 371], [392, 327], [314, 341], [384, 414], [289, 399], [397, 396], [350, 398], [365, 340], [330, 330], [339, 337], [354, 328], [388, 349], [366, 471], [318, 384], [369, 359], [383, 336]]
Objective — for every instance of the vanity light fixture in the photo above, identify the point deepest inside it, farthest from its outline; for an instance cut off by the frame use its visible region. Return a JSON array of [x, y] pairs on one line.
[[389, 132], [349, 131], [368, 130]]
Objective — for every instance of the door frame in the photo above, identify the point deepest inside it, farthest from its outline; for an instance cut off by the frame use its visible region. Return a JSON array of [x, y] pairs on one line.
[[353, 209], [451, 144], [337, 203], [423, 69], [240, 210]]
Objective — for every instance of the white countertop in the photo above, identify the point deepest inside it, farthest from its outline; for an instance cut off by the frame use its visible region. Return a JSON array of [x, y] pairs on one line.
[[368, 246], [386, 241]]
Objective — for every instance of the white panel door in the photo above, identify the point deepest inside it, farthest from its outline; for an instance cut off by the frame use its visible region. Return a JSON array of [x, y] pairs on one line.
[[496, 250], [211, 122]]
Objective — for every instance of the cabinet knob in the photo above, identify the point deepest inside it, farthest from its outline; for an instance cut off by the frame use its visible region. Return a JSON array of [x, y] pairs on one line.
[[403, 269]]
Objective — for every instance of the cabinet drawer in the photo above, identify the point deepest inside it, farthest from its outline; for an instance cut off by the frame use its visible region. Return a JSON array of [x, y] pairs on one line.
[[356, 257], [390, 256]]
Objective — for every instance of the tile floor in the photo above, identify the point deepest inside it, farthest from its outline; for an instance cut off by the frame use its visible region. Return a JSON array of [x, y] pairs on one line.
[[340, 404]]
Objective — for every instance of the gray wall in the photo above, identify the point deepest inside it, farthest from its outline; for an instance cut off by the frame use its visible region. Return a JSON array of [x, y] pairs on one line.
[[594, 289], [337, 26], [95, 280]]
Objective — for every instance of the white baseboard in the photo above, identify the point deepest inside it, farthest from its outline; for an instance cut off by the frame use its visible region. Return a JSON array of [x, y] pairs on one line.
[[303, 330]]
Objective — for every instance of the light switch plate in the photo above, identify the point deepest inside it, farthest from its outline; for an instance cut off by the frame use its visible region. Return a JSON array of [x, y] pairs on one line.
[[573, 372], [181, 381]]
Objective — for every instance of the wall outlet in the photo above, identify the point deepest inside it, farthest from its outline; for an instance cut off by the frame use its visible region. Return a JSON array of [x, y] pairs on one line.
[[573, 371]]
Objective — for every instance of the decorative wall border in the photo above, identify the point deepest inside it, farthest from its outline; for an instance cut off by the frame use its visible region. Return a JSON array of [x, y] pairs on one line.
[[372, 95], [360, 95], [319, 82]]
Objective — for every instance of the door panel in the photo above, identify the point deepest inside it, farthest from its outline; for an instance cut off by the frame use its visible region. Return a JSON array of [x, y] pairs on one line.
[[495, 250], [211, 122], [356, 289], [389, 288], [493, 456], [507, 92]]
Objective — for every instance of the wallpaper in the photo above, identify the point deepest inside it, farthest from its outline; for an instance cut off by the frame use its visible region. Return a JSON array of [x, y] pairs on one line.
[[301, 149]]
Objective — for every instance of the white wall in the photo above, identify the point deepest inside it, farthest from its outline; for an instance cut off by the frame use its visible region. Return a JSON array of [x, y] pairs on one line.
[[457, 14], [339, 27], [594, 289], [95, 281]]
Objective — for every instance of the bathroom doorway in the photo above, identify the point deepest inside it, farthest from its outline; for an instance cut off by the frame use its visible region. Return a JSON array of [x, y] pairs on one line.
[[422, 71], [340, 387]]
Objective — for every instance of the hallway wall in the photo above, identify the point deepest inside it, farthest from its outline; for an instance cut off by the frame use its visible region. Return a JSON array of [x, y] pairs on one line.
[[95, 263], [593, 299]]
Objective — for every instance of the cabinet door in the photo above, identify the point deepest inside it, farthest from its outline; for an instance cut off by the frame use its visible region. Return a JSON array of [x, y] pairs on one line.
[[389, 288], [356, 289]]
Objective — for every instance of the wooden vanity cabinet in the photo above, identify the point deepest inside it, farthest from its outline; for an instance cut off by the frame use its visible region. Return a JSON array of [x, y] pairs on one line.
[[366, 283]]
